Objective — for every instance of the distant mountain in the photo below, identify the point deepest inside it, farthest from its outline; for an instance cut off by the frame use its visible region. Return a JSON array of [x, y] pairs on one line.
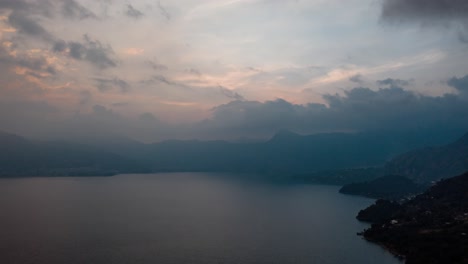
[[285, 153], [338, 176], [431, 164], [388, 187], [431, 228], [22, 157]]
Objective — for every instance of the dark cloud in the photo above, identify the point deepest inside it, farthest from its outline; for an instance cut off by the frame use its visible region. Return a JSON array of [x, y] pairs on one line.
[[193, 72], [254, 69], [89, 50], [132, 12], [105, 85], [92, 51], [231, 94], [448, 13], [156, 66], [356, 78], [98, 54], [359, 109], [59, 46], [164, 79], [148, 117], [461, 84], [163, 11], [27, 26], [120, 104], [85, 97], [36, 66], [102, 111], [463, 37], [43, 7], [394, 82], [72, 9], [77, 50], [254, 119], [13, 4], [424, 9]]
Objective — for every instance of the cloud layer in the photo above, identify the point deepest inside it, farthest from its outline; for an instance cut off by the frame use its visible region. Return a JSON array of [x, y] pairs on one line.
[[359, 109], [206, 69]]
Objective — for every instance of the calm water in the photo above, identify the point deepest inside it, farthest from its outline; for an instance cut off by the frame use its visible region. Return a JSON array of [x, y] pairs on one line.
[[179, 218]]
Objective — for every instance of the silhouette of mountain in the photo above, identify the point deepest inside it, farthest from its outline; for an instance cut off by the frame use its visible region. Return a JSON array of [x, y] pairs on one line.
[[22, 157], [432, 164], [286, 154], [431, 228], [339, 176], [388, 187]]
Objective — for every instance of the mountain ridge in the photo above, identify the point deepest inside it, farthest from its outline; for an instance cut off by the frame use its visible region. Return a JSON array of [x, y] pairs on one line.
[[430, 228], [432, 163]]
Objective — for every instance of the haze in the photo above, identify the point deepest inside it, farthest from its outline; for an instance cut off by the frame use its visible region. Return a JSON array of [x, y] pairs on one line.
[[155, 70]]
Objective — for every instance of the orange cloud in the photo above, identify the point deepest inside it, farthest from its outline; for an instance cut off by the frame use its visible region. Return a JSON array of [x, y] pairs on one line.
[[134, 51]]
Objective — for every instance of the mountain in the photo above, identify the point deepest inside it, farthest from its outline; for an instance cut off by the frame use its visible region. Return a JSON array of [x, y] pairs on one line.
[[22, 157], [338, 176], [285, 153], [430, 228], [432, 164], [388, 187]]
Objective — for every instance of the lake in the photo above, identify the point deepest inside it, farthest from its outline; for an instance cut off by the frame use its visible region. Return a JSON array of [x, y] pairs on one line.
[[180, 218]]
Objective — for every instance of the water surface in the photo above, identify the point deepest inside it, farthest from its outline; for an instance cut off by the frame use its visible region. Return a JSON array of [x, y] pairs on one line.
[[179, 218]]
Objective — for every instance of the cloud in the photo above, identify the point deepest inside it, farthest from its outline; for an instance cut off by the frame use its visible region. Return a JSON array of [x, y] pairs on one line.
[[448, 13], [156, 66], [35, 65], [425, 9], [193, 71], [43, 7], [92, 51], [231, 94], [27, 26], [13, 4], [134, 51], [165, 80], [394, 82], [105, 85], [85, 97], [461, 84], [148, 117], [163, 11], [359, 109], [356, 78], [72, 9], [132, 12], [59, 46]]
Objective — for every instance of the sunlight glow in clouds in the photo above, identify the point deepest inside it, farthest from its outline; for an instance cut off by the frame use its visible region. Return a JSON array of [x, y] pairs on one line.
[[180, 60]]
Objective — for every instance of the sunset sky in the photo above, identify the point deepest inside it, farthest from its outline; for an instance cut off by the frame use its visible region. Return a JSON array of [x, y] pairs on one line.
[[207, 69]]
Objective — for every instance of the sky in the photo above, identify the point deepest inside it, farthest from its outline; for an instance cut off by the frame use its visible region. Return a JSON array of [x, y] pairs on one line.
[[226, 69]]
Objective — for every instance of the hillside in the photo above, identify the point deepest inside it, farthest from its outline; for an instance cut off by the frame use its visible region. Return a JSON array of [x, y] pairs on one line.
[[286, 153], [432, 164], [22, 157], [431, 228], [286, 156], [388, 187], [338, 176]]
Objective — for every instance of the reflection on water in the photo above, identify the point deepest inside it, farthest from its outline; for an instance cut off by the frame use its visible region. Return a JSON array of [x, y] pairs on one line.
[[179, 218]]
